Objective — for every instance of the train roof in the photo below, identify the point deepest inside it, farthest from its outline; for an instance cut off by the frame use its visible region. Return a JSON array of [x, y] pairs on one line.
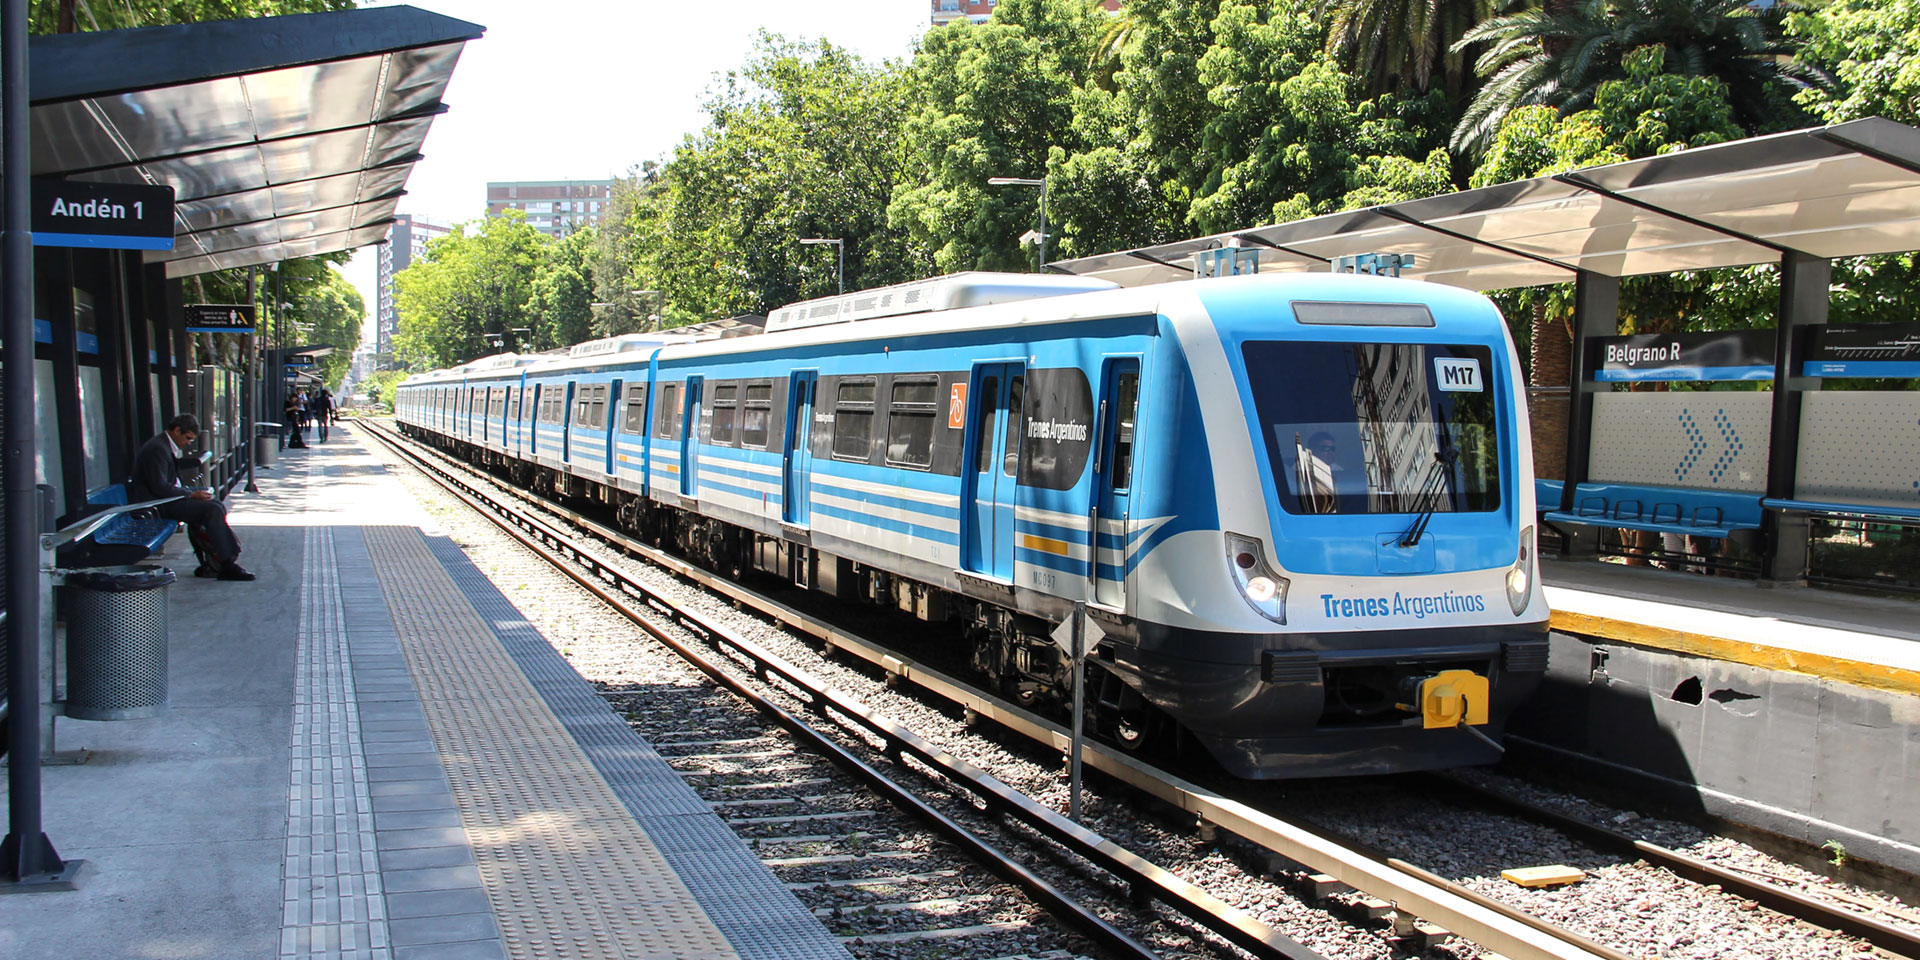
[[965, 302]]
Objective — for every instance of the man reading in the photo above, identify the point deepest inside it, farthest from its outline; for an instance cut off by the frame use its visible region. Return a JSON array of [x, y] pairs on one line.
[[156, 475]]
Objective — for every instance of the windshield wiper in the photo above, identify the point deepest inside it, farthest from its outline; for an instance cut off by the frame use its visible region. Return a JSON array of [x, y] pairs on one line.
[[1437, 477]]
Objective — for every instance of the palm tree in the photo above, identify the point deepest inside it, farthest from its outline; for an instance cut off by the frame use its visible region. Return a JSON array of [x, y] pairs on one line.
[[1559, 55], [1402, 42]]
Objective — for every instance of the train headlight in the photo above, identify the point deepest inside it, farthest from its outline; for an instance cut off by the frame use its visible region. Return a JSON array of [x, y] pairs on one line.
[[1264, 589], [1520, 576]]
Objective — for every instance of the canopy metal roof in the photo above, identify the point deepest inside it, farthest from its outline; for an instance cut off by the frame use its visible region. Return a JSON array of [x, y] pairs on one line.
[[282, 137], [1845, 190]]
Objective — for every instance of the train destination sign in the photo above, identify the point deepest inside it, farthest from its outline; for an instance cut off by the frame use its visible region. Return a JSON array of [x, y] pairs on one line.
[[1876, 350], [1732, 355], [219, 318], [107, 216]]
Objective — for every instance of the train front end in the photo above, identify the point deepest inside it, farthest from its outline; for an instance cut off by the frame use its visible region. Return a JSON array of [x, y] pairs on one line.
[[1370, 600]]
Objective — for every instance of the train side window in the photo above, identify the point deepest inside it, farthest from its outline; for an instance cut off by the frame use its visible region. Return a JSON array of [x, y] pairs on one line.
[[602, 398], [636, 417], [1016, 422], [1126, 395], [853, 419], [667, 412], [726, 401], [910, 419], [757, 416], [983, 423], [513, 403]]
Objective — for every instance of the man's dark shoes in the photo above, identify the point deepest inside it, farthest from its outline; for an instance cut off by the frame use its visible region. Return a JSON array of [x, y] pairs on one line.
[[205, 571], [234, 571]]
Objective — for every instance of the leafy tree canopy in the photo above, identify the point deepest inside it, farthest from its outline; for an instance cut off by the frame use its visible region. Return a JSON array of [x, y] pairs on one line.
[[474, 282], [45, 15]]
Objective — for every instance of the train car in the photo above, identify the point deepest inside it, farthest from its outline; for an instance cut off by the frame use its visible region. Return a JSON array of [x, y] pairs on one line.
[[1298, 507]]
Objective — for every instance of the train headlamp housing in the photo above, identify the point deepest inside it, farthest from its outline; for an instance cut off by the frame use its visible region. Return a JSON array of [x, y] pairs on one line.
[[1264, 589], [1520, 577]]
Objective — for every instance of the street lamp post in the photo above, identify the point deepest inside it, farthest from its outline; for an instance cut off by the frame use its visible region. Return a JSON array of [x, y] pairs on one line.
[[840, 267], [1040, 182]]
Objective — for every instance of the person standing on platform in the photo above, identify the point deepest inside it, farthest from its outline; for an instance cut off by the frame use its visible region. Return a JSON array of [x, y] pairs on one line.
[[292, 414], [323, 412], [156, 476]]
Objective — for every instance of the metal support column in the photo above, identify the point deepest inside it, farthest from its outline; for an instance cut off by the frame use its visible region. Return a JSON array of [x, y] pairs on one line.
[[1596, 313], [1804, 284], [139, 346], [250, 395], [55, 267], [28, 860]]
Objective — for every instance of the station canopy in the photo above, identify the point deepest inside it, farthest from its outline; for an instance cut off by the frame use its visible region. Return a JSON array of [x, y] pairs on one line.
[[282, 137], [1840, 191]]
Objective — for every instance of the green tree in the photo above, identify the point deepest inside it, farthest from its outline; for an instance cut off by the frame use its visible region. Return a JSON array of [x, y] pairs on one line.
[[1560, 57], [327, 311], [1872, 50], [993, 100], [1292, 134], [803, 141], [45, 16], [1403, 43], [474, 282], [561, 302]]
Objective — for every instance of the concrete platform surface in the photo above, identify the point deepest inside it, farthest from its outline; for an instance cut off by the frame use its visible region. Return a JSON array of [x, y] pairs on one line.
[[1856, 638], [355, 762]]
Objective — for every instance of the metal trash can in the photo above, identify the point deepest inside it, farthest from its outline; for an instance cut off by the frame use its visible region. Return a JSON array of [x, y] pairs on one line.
[[266, 444], [117, 642]]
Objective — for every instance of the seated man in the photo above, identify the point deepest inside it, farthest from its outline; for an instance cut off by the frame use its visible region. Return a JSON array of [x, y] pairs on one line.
[[156, 475]]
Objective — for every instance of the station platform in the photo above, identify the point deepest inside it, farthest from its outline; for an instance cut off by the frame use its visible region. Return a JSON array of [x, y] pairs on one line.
[[369, 753], [1791, 710], [1869, 640]]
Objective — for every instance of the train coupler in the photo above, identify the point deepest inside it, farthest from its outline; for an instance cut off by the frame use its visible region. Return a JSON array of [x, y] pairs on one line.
[[1450, 698]]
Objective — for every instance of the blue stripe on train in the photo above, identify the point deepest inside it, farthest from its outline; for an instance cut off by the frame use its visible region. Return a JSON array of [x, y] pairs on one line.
[[948, 537]]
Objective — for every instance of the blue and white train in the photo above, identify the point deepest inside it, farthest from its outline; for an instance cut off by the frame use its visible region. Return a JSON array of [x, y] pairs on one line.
[[1299, 508]]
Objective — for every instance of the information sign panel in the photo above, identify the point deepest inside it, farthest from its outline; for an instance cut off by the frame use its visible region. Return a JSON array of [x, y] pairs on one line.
[[1733, 355], [219, 318], [1876, 350], [107, 216]]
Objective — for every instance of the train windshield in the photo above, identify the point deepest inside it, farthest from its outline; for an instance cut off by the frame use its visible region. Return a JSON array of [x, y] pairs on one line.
[[1378, 427]]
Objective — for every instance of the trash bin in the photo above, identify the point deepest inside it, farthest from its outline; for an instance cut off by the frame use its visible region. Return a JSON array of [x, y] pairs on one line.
[[266, 444], [117, 642]]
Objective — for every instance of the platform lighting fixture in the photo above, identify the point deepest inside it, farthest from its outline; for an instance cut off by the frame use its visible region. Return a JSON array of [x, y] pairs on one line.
[[840, 268], [1040, 182]]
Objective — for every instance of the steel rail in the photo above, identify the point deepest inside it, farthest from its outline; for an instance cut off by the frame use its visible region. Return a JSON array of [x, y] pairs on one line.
[[1144, 878], [1447, 904], [1886, 936]]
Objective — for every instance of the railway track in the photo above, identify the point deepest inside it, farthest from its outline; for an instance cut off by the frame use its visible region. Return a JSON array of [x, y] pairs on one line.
[[1419, 907]]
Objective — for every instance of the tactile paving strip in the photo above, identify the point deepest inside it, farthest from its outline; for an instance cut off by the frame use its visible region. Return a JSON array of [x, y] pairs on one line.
[[758, 914], [331, 897], [568, 872]]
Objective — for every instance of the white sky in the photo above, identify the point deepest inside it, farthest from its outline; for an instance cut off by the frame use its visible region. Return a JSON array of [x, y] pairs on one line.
[[585, 89]]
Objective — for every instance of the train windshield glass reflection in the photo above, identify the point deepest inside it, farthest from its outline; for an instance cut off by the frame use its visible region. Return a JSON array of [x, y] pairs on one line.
[[1378, 427]]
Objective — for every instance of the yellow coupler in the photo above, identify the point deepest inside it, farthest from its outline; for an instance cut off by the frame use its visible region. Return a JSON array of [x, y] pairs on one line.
[[1450, 698], [1544, 876]]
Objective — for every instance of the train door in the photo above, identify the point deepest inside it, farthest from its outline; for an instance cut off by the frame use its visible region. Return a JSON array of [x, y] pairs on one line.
[[1113, 480], [797, 496], [690, 440], [998, 392], [566, 424], [609, 423], [535, 408]]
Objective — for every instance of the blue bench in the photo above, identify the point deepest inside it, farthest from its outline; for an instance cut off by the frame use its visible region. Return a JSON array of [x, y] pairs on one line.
[[1546, 494], [126, 530], [1849, 509], [1697, 513]]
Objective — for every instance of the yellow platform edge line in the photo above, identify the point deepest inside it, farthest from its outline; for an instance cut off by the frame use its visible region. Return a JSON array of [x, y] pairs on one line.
[[1874, 675]]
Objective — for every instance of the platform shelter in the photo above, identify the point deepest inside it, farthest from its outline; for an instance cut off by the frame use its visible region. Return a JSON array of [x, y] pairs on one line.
[[162, 155], [1790, 459]]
